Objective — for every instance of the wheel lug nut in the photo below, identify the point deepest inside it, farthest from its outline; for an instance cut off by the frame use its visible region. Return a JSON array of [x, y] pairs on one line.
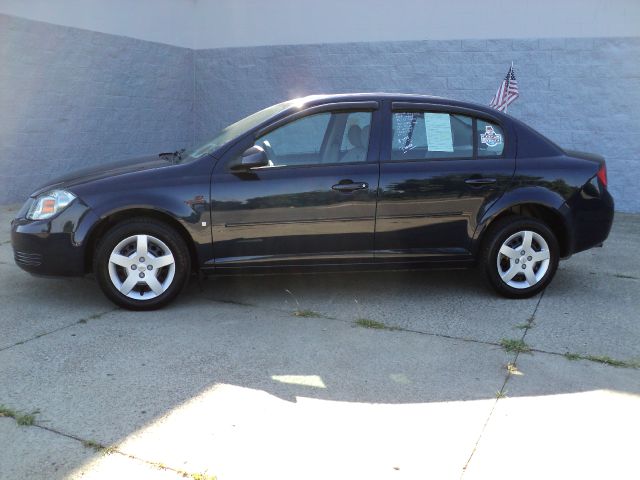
[[517, 260], [141, 275], [142, 258], [522, 252], [149, 267], [133, 267], [529, 258], [524, 266]]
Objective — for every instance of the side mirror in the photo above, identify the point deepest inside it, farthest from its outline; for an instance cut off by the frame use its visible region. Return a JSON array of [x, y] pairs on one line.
[[252, 157]]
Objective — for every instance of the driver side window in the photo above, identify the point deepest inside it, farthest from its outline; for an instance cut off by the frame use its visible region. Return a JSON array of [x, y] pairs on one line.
[[320, 138]]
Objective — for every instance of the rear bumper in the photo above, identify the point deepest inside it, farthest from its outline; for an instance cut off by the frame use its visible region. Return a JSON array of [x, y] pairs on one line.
[[51, 247], [592, 220]]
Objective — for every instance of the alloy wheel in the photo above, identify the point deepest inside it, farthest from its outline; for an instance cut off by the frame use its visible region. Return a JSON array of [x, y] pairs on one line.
[[142, 267], [523, 259]]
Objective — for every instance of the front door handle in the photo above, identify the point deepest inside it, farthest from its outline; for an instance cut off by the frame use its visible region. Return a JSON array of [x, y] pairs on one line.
[[478, 182], [349, 186]]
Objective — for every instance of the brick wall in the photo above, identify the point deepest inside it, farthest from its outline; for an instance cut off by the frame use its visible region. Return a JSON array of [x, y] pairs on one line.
[[71, 97], [582, 93]]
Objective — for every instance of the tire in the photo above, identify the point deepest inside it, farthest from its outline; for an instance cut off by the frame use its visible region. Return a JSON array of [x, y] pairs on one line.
[[510, 272], [136, 279]]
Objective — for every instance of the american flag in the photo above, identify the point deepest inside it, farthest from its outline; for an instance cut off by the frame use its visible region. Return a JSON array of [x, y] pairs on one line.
[[507, 92]]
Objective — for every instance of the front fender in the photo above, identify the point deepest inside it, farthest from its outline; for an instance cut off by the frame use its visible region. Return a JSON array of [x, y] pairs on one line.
[[181, 198]]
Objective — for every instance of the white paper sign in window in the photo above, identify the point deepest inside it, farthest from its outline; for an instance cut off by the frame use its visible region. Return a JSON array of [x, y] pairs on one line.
[[438, 129]]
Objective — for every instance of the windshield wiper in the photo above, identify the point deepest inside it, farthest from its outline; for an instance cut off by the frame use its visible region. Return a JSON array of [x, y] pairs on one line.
[[176, 155]]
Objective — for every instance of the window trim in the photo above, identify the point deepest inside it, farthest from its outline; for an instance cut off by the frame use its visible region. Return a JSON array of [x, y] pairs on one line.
[[408, 107], [331, 107]]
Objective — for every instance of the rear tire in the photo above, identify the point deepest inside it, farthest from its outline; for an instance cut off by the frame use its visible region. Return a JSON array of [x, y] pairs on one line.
[[519, 256], [142, 264]]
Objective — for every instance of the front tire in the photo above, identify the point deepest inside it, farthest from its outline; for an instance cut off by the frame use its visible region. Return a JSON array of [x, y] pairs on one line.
[[520, 256], [142, 264]]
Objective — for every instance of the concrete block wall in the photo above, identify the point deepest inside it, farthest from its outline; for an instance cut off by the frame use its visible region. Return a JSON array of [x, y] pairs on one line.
[[582, 93], [71, 98]]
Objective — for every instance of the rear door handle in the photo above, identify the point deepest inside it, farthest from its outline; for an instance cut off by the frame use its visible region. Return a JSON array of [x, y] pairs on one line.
[[478, 182], [349, 186]]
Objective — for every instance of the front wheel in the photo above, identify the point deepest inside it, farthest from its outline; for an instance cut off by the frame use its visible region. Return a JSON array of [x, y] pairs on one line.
[[520, 256], [142, 264]]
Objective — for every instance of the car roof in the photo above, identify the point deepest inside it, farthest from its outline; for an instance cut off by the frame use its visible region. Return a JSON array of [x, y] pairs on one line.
[[319, 99]]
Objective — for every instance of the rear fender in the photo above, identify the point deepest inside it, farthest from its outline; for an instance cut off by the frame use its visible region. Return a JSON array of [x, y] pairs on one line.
[[533, 196]]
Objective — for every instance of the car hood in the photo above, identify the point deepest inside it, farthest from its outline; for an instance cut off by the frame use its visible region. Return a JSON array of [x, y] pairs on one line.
[[99, 172]]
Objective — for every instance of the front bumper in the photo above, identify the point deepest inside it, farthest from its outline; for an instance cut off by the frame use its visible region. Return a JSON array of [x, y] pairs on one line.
[[54, 246]]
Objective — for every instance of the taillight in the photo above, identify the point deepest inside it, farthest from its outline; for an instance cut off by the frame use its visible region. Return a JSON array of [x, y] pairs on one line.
[[602, 174]]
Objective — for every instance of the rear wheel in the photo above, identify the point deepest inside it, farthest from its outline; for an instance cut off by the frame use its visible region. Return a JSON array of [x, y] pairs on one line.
[[520, 256], [142, 264]]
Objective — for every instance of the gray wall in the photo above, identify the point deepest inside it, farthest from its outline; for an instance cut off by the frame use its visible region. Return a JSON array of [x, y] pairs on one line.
[[582, 93], [241, 23], [71, 97]]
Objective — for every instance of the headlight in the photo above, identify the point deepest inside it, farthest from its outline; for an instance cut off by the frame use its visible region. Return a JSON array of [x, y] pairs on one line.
[[48, 204]]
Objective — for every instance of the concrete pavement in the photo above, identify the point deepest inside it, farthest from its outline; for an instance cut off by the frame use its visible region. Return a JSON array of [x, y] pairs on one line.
[[229, 382]]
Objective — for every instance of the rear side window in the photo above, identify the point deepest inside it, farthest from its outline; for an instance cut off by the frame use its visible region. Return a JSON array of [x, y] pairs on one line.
[[490, 139], [431, 135]]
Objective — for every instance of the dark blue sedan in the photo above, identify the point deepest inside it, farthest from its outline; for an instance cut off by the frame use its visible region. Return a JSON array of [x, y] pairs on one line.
[[325, 182]]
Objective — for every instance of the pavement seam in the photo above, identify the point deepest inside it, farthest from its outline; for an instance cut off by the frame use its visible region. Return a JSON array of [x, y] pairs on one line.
[[408, 330], [351, 322], [501, 392], [109, 450], [64, 327]]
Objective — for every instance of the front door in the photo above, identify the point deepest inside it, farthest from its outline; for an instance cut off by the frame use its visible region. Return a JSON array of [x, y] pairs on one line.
[[441, 168], [313, 204]]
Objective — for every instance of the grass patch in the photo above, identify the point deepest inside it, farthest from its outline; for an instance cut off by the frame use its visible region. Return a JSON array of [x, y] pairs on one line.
[[98, 447], [514, 345], [607, 360], [367, 323], [572, 356], [202, 476], [25, 419], [92, 445], [604, 359], [306, 314]]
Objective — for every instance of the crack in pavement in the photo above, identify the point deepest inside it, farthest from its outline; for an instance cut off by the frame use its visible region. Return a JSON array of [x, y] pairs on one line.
[[80, 321], [502, 390]]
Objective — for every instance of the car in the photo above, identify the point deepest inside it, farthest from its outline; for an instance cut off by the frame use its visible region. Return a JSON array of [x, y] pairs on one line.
[[333, 182]]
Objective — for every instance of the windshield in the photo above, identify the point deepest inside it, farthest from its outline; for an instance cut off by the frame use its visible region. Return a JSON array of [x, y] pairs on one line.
[[236, 129]]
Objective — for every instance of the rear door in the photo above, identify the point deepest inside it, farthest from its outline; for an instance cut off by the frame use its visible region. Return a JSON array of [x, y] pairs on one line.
[[315, 202], [440, 168]]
